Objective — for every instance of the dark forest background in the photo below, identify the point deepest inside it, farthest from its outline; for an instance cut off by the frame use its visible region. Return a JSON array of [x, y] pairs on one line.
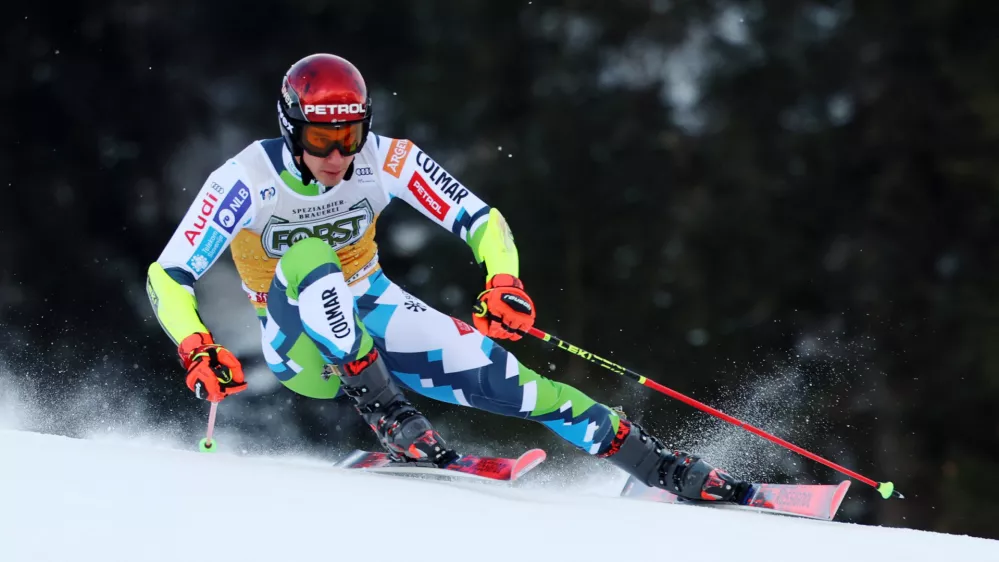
[[784, 209]]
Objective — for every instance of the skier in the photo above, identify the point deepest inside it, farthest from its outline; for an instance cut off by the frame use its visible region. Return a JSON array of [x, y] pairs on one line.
[[299, 213]]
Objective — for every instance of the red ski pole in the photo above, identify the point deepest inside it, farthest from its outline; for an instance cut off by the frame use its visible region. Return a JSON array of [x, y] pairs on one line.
[[886, 489], [207, 445]]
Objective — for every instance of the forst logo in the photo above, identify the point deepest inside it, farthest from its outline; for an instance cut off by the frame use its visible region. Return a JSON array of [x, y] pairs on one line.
[[207, 206], [335, 109], [233, 207], [337, 230], [396, 158]]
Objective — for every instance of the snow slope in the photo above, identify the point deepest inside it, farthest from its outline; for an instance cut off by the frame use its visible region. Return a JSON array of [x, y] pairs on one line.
[[80, 500]]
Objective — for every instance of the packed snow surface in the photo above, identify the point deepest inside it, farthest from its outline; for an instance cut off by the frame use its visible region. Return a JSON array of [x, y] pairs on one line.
[[103, 500]]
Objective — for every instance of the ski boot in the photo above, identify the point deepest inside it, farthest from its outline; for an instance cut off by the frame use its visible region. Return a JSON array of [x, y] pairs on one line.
[[646, 458], [402, 429]]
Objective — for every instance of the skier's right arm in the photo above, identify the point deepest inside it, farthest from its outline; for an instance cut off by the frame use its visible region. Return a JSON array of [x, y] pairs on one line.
[[218, 212]]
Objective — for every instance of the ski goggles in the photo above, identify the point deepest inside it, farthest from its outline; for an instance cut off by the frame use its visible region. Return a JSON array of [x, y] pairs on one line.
[[321, 139]]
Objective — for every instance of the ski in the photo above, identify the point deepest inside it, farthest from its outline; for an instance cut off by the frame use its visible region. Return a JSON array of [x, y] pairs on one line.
[[814, 501], [468, 466]]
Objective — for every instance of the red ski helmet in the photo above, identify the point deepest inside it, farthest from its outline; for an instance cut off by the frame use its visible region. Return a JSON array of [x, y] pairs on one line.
[[324, 105]]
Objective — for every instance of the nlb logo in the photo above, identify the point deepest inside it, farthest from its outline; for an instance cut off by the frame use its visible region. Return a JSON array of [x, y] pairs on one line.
[[233, 207]]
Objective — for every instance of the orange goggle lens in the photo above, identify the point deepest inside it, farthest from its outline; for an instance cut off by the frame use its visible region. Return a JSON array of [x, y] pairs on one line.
[[321, 139]]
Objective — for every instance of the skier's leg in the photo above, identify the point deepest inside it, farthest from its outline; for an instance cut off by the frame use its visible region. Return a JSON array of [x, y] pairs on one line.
[[311, 321], [445, 359], [312, 332]]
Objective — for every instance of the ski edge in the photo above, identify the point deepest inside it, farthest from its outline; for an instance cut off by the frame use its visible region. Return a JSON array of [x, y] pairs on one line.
[[753, 509], [350, 459], [632, 490]]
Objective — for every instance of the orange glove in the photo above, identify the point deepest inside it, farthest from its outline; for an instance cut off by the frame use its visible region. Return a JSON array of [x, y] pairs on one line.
[[504, 309], [213, 372]]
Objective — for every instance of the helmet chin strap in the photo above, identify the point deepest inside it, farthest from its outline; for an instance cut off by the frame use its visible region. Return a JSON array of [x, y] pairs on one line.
[[303, 169]]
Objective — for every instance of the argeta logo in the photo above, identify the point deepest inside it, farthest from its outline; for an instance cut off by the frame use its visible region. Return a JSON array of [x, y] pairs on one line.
[[430, 200], [396, 158]]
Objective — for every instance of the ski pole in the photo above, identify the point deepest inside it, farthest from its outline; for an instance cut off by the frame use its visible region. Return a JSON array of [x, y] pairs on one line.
[[886, 489], [207, 445]]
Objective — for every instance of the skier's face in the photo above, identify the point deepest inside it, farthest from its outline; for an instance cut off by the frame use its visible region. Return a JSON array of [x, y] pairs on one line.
[[330, 170]]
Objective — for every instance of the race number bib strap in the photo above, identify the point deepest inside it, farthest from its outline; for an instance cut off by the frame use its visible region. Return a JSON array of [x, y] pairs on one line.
[[492, 243], [173, 303]]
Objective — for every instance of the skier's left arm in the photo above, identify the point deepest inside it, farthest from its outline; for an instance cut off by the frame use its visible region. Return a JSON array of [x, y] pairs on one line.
[[503, 308]]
